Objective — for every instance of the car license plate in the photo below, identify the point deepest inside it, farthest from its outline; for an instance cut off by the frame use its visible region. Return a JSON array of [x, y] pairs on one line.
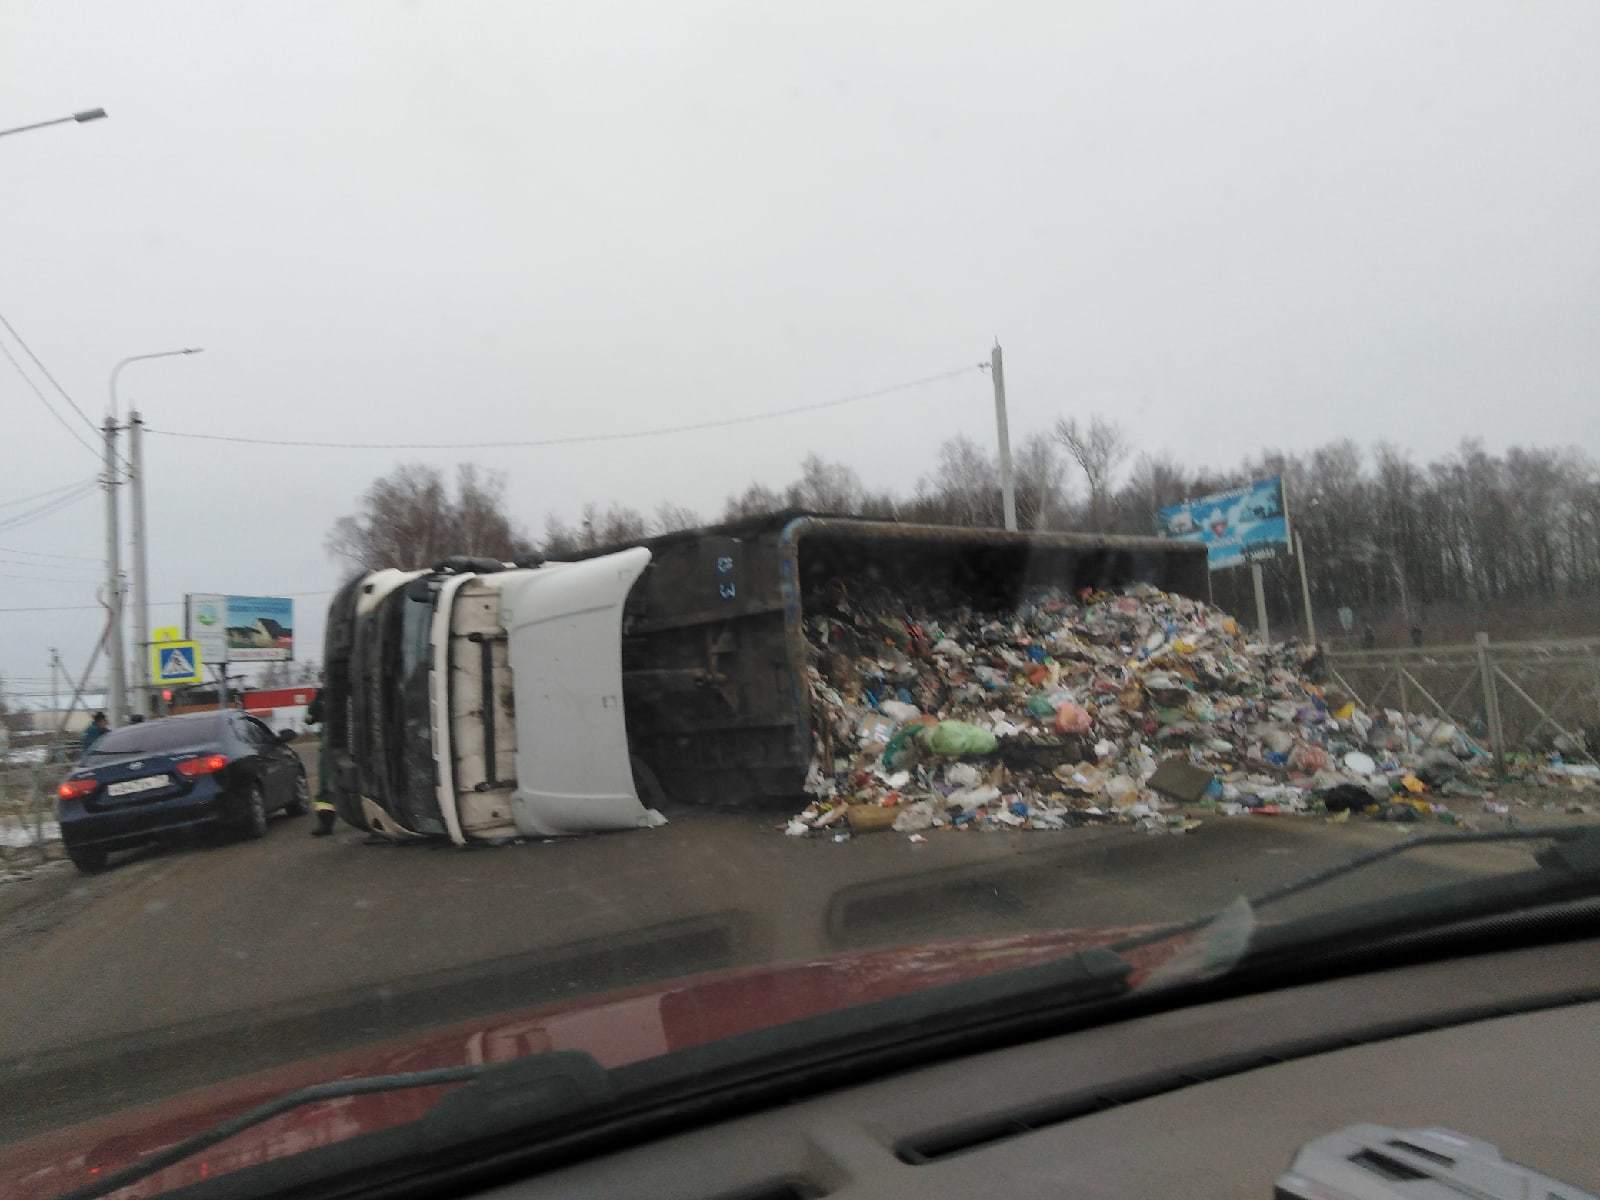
[[128, 786]]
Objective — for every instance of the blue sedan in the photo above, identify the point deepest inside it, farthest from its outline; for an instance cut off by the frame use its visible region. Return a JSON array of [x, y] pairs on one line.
[[143, 782]]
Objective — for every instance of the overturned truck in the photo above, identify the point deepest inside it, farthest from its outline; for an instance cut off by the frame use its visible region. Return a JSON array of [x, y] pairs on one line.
[[480, 700]]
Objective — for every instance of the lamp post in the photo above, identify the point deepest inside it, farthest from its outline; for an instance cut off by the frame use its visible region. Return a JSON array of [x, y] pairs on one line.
[[141, 565], [88, 114]]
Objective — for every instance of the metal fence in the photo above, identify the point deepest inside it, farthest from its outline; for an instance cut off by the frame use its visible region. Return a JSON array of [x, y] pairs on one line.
[[27, 799], [1510, 696]]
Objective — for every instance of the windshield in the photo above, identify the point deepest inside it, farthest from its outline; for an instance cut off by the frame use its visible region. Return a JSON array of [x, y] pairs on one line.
[[722, 515], [156, 737]]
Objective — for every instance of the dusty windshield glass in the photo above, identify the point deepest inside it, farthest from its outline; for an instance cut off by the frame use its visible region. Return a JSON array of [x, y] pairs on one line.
[[156, 738], [757, 511]]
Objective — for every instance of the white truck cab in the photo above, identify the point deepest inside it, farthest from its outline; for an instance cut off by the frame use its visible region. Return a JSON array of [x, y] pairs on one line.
[[487, 703]]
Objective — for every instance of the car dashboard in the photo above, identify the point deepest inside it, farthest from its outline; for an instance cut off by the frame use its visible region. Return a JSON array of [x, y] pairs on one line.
[[1209, 1100]]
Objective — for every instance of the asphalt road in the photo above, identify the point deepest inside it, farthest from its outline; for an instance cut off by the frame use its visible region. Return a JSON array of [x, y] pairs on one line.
[[182, 964]]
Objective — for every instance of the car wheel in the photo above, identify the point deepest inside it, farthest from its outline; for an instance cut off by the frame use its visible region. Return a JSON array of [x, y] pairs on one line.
[[88, 859], [300, 802], [255, 812]]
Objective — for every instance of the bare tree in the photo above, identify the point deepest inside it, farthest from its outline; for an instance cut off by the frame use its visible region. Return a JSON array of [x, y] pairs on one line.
[[408, 518], [614, 525], [1099, 448], [826, 487], [755, 501], [672, 517], [964, 489], [1041, 483]]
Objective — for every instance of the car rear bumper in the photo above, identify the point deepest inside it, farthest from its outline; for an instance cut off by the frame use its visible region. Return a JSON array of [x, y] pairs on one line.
[[133, 824]]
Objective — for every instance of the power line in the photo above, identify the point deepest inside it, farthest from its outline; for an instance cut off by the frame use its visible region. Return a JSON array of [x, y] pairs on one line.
[[50, 553], [153, 603], [50, 408], [50, 508], [48, 567], [66, 487], [578, 439], [45, 371]]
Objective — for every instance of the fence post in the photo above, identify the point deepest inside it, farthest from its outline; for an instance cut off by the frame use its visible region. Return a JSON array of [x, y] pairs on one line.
[[37, 796], [1405, 707], [1491, 704]]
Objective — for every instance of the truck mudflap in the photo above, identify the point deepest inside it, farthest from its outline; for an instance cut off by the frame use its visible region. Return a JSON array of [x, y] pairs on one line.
[[563, 625]]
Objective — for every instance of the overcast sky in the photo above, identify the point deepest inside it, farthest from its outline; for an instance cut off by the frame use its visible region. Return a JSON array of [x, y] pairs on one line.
[[1228, 225]]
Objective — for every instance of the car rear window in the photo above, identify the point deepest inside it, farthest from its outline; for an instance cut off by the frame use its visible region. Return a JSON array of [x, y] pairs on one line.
[[152, 737]]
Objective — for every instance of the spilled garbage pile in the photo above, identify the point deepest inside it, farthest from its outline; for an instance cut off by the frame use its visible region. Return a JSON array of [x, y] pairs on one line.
[[1138, 707]]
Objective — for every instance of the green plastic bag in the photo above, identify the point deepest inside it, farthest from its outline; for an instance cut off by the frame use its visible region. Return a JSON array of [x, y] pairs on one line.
[[956, 739]]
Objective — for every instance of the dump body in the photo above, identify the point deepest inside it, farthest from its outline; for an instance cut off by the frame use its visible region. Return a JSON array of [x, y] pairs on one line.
[[714, 656], [481, 702]]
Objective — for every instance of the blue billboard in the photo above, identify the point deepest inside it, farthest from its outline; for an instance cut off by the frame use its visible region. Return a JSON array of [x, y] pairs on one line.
[[1240, 525]]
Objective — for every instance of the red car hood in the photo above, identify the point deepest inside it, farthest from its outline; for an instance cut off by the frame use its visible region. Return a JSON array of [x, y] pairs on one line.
[[616, 1028]]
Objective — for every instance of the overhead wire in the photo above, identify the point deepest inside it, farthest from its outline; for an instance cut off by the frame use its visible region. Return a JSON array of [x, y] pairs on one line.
[[65, 487], [43, 578], [153, 603], [50, 408], [45, 371], [50, 554], [47, 567], [576, 439], [49, 508]]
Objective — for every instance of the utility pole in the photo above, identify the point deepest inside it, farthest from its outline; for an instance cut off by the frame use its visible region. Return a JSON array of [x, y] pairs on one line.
[[1305, 588], [1261, 601], [55, 695], [1008, 490], [118, 701], [141, 568], [116, 690]]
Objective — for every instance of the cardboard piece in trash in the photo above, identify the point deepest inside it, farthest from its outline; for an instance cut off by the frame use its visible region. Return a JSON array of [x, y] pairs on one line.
[[868, 818], [1177, 778]]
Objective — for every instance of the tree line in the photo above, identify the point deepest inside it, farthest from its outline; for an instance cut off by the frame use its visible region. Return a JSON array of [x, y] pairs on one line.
[[1396, 540]]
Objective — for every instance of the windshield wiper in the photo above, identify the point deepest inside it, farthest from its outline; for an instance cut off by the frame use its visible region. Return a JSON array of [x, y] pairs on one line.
[[1568, 869]]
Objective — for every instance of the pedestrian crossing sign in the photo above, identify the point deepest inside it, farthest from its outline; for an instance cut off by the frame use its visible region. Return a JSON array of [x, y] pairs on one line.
[[175, 662]]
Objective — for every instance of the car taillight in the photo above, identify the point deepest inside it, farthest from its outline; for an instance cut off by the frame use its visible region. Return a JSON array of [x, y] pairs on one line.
[[76, 789], [206, 764]]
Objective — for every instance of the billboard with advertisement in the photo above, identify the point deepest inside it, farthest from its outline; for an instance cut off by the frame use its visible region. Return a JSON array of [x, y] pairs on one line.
[[241, 629], [1238, 526]]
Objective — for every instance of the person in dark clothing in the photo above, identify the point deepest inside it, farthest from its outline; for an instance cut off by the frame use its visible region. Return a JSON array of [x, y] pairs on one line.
[[322, 803], [1369, 638], [1416, 635], [98, 726]]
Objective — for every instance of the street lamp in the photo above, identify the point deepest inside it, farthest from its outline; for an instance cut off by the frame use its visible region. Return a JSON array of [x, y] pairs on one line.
[[117, 700], [88, 114]]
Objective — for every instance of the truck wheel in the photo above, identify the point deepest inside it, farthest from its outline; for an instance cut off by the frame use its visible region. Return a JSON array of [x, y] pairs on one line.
[[88, 859], [300, 802], [255, 813]]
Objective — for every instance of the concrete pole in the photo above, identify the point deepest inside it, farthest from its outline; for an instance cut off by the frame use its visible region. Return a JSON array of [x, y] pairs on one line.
[[1008, 489], [1261, 601], [141, 568], [1305, 588], [116, 686]]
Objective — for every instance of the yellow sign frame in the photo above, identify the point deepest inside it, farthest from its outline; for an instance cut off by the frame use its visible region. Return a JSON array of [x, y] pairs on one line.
[[157, 649]]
